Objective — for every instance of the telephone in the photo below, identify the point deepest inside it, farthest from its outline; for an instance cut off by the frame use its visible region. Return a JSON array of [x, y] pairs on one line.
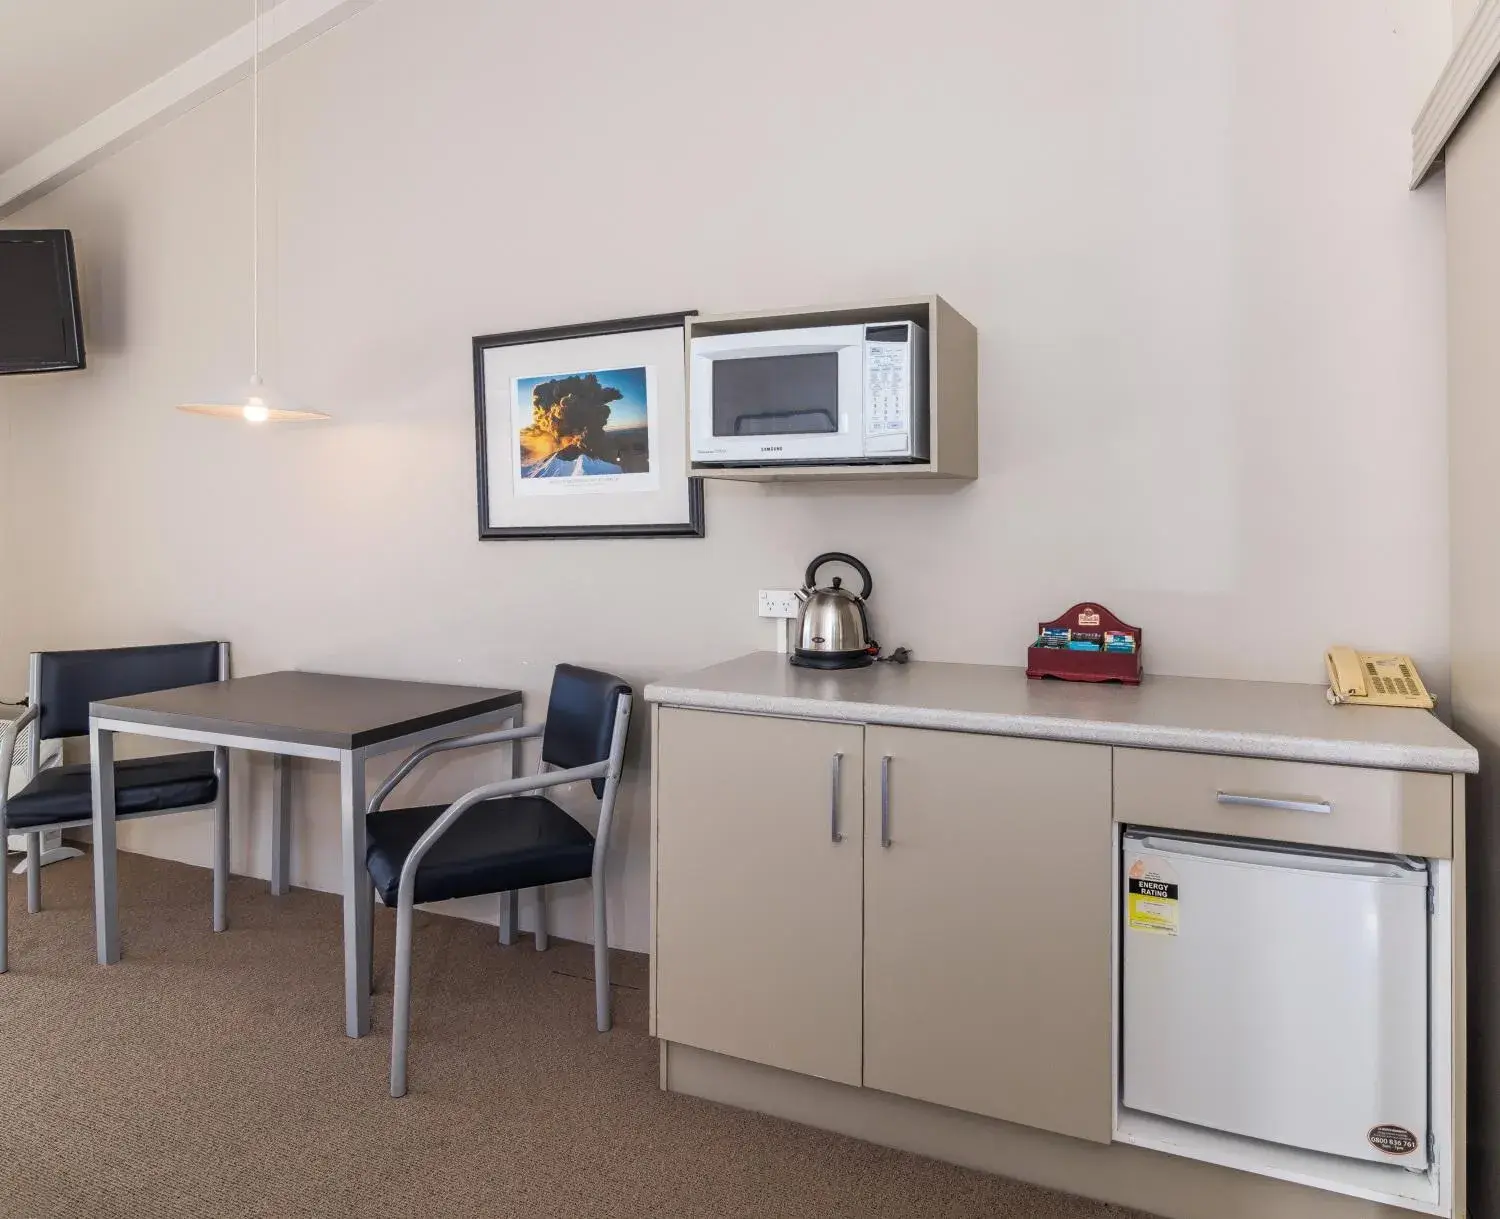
[[1375, 680]]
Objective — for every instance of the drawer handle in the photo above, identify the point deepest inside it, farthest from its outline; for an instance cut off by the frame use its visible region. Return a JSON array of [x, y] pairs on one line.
[[838, 766], [885, 800], [1290, 806]]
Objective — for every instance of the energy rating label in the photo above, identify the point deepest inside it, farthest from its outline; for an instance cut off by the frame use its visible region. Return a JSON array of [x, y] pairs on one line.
[[1151, 897]]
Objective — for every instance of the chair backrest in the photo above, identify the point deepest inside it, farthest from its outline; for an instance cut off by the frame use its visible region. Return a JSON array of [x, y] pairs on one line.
[[581, 718], [65, 683]]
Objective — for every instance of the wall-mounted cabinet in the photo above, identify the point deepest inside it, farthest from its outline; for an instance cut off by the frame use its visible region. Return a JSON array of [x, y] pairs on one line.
[[946, 368]]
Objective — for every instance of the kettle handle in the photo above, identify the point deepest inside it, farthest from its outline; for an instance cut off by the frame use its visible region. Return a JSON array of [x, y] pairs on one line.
[[838, 556]]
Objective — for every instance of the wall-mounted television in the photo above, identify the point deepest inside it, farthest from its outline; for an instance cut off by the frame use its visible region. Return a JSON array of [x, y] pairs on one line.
[[41, 326]]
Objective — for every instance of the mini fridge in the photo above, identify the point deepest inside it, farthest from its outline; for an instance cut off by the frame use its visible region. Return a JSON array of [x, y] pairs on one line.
[[1279, 994]]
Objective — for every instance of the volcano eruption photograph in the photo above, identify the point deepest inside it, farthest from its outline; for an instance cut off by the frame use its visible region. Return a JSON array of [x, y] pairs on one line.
[[583, 425]]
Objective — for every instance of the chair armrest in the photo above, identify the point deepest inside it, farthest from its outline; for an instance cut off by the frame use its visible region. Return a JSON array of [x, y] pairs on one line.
[[8, 739], [416, 756], [507, 787]]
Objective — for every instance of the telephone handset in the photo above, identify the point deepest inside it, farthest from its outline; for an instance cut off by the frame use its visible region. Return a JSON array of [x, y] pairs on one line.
[[1375, 680]]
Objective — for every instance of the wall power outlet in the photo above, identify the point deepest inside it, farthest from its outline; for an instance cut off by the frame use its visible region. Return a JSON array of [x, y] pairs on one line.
[[778, 603]]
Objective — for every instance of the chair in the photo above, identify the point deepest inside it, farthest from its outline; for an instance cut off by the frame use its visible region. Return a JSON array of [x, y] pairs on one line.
[[62, 686], [502, 837]]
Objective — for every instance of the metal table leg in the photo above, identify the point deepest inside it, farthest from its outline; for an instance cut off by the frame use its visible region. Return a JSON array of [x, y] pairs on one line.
[[508, 909], [106, 914], [281, 825], [33, 873], [358, 908], [221, 839]]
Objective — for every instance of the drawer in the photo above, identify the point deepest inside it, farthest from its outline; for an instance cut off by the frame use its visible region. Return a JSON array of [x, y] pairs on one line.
[[1402, 812]]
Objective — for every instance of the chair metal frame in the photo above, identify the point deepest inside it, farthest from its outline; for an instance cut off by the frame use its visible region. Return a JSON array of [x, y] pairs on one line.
[[609, 770], [8, 740], [27, 766]]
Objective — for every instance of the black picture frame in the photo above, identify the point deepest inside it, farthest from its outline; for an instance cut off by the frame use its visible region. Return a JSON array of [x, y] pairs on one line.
[[691, 527]]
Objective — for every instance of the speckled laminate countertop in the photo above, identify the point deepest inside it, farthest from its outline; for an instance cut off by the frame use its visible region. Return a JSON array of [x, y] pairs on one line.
[[1202, 715]]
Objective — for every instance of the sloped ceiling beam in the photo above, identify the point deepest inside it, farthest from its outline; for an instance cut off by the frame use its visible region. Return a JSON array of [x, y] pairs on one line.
[[284, 27], [1469, 68]]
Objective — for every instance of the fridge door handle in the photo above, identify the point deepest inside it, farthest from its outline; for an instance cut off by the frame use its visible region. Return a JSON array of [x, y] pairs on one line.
[[1289, 806]]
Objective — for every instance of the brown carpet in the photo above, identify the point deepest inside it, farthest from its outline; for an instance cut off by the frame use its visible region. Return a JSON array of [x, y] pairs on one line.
[[209, 1075]]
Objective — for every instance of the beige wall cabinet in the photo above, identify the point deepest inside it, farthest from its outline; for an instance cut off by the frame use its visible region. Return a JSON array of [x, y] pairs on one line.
[[988, 926], [758, 882]]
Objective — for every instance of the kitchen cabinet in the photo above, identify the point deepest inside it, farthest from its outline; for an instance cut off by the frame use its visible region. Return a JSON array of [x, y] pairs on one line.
[[988, 926], [966, 963], [957, 992], [758, 882]]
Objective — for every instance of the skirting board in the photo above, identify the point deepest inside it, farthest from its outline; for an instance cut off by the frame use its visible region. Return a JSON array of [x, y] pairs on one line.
[[1164, 1185]]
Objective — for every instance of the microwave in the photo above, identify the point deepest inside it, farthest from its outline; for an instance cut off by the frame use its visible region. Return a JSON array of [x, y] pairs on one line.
[[829, 395]]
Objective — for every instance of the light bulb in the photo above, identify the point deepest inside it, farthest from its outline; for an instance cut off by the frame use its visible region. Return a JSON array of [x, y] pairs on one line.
[[256, 411]]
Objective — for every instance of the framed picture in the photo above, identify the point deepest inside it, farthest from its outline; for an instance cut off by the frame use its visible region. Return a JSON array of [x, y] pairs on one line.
[[582, 431]]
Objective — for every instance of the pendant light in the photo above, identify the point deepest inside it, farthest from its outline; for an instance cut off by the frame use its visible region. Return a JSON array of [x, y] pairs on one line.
[[255, 402]]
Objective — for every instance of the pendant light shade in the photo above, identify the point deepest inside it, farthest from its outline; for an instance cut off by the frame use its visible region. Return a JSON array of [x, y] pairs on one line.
[[255, 401]]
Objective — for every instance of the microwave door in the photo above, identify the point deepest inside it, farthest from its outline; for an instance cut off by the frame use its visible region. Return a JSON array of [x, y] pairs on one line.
[[796, 394], [778, 397]]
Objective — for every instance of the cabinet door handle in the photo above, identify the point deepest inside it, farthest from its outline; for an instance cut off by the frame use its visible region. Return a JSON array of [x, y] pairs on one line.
[[833, 810], [885, 800], [1289, 806]]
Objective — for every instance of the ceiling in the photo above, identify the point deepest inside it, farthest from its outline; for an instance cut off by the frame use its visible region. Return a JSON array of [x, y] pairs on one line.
[[63, 61]]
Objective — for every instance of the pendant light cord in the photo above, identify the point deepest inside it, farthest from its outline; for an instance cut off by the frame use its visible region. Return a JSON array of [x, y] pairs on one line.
[[255, 199]]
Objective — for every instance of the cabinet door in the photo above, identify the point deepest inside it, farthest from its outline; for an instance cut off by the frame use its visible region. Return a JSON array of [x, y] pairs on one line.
[[988, 926], [758, 882]]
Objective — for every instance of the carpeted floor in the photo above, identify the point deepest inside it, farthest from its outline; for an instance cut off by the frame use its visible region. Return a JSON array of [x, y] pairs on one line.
[[208, 1075]]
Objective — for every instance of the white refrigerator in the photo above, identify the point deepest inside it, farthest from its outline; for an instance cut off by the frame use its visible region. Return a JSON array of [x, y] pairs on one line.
[[1277, 994]]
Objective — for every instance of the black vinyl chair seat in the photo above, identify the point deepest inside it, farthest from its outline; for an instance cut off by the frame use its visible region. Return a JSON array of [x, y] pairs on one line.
[[142, 785], [497, 845]]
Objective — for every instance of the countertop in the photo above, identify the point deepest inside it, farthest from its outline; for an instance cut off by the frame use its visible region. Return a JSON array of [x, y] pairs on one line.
[[1202, 715]]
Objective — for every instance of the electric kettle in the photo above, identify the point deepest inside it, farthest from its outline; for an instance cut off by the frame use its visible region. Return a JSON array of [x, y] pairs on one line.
[[832, 629]]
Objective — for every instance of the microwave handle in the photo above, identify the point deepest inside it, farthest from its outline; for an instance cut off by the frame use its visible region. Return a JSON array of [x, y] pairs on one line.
[[838, 556]]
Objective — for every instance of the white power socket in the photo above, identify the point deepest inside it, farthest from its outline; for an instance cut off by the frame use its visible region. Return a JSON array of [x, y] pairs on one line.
[[778, 603]]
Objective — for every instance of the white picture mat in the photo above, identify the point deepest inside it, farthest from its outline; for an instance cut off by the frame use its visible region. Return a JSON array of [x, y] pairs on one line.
[[663, 350]]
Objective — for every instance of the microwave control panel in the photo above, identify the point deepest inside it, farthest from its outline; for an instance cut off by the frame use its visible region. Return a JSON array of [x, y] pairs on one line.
[[891, 354]]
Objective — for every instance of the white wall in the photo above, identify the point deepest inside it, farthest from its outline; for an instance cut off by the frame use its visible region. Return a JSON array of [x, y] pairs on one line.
[[1211, 320], [1473, 197]]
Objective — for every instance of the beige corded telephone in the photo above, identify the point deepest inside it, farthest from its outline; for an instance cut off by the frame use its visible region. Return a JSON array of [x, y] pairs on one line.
[[1375, 680]]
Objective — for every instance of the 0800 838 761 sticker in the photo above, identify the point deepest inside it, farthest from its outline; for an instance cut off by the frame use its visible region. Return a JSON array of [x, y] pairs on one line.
[[1393, 1140], [1151, 898]]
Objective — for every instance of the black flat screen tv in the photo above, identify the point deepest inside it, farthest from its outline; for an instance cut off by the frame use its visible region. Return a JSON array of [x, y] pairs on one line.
[[41, 326]]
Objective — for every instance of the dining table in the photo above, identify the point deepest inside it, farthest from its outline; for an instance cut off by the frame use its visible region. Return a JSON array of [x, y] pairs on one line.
[[292, 714]]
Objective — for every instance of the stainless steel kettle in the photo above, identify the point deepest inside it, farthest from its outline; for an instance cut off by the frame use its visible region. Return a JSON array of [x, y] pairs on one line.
[[833, 631]]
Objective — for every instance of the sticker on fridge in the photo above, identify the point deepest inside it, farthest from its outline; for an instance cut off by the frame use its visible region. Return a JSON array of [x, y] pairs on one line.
[[1393, 1140], [1151, 896]]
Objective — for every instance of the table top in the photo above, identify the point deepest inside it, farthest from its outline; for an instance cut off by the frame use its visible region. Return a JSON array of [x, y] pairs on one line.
[[326, 710], [1204, 715]]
